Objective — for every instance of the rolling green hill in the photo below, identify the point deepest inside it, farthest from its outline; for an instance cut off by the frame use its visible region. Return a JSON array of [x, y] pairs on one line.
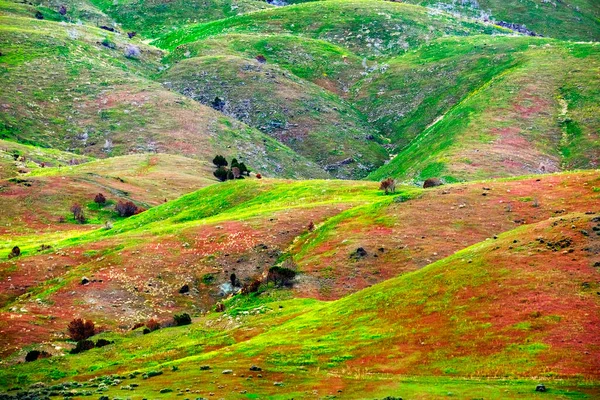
[[300, 281]]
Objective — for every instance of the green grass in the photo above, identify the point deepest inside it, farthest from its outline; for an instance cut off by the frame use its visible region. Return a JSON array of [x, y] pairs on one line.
[[339, 22]]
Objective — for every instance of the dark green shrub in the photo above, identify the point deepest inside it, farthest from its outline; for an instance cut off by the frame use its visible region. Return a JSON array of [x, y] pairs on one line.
[[182, 319]]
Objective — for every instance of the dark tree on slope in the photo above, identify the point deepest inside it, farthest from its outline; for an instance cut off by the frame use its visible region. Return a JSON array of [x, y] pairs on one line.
[[220, 161], [221, 174], [100, 199], [81, 330], [78, 214], [126, 209]]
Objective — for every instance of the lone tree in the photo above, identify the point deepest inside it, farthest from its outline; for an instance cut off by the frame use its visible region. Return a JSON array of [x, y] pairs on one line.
[[78, 214], [81, 330], [220, 161], [100, 199], [388, 185]]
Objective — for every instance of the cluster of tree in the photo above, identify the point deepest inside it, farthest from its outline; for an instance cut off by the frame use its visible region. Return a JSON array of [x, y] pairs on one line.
[[236, 171]]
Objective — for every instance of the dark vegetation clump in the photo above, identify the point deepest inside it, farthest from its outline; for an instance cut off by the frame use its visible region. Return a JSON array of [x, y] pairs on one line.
[[15, 252], [131, 34], [127, 209], [36, 355], [388, 185], [220, 307], [432, 182], [182, 319], [78, 213], [39, 15], [311, 226], [251, 287], [83, 345], [281, 276], [103, 342], [62, 10], [358, 253], [79, 329], [237, 170], [152, 325], [100, 199], [108, 44], [261, 59], [184, 289]]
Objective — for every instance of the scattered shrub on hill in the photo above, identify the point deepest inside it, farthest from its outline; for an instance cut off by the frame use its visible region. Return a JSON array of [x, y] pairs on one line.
[[83, 345], [100, 199], [220, 161], [220, 307], [137, 325], [108, 44], [311, 226], [388, 185], [221, 174], [126, 208], [234, 280], [152, 325], [182, 319], [432, 182], [261, 59], [39, 15], [131, 34], [78, 213], [79, 329], [15, 252], [281, 276], [258, 176], [62, 10], [132, 51], [251, 287], [36, 355], [103, 342]]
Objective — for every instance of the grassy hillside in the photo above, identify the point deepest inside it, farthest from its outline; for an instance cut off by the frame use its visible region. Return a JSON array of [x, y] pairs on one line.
[[303, 116], [368, 28], [250, 226], [532, 111], [67, 88], [489, 294], [569, 20], [318, 61]]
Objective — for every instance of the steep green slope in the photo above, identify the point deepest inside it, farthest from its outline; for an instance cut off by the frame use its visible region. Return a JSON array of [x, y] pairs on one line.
[[153, 18], [368, 28], [537, 113], [303, 116], [325, 64]]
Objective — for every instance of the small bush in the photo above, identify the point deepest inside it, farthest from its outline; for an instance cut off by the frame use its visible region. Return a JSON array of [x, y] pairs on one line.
[[79, 329], [108, 43], [62, 10], [132, 51], [388, 185], [15, 252], [258, 176], [100, 199], [126, 208], [182, 319], [36, 355], [83, 345], [220, 307], [78, 213], [152, 325], [251, 287], [103, 342], [432, 182], [311, 226], [281, 276]]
